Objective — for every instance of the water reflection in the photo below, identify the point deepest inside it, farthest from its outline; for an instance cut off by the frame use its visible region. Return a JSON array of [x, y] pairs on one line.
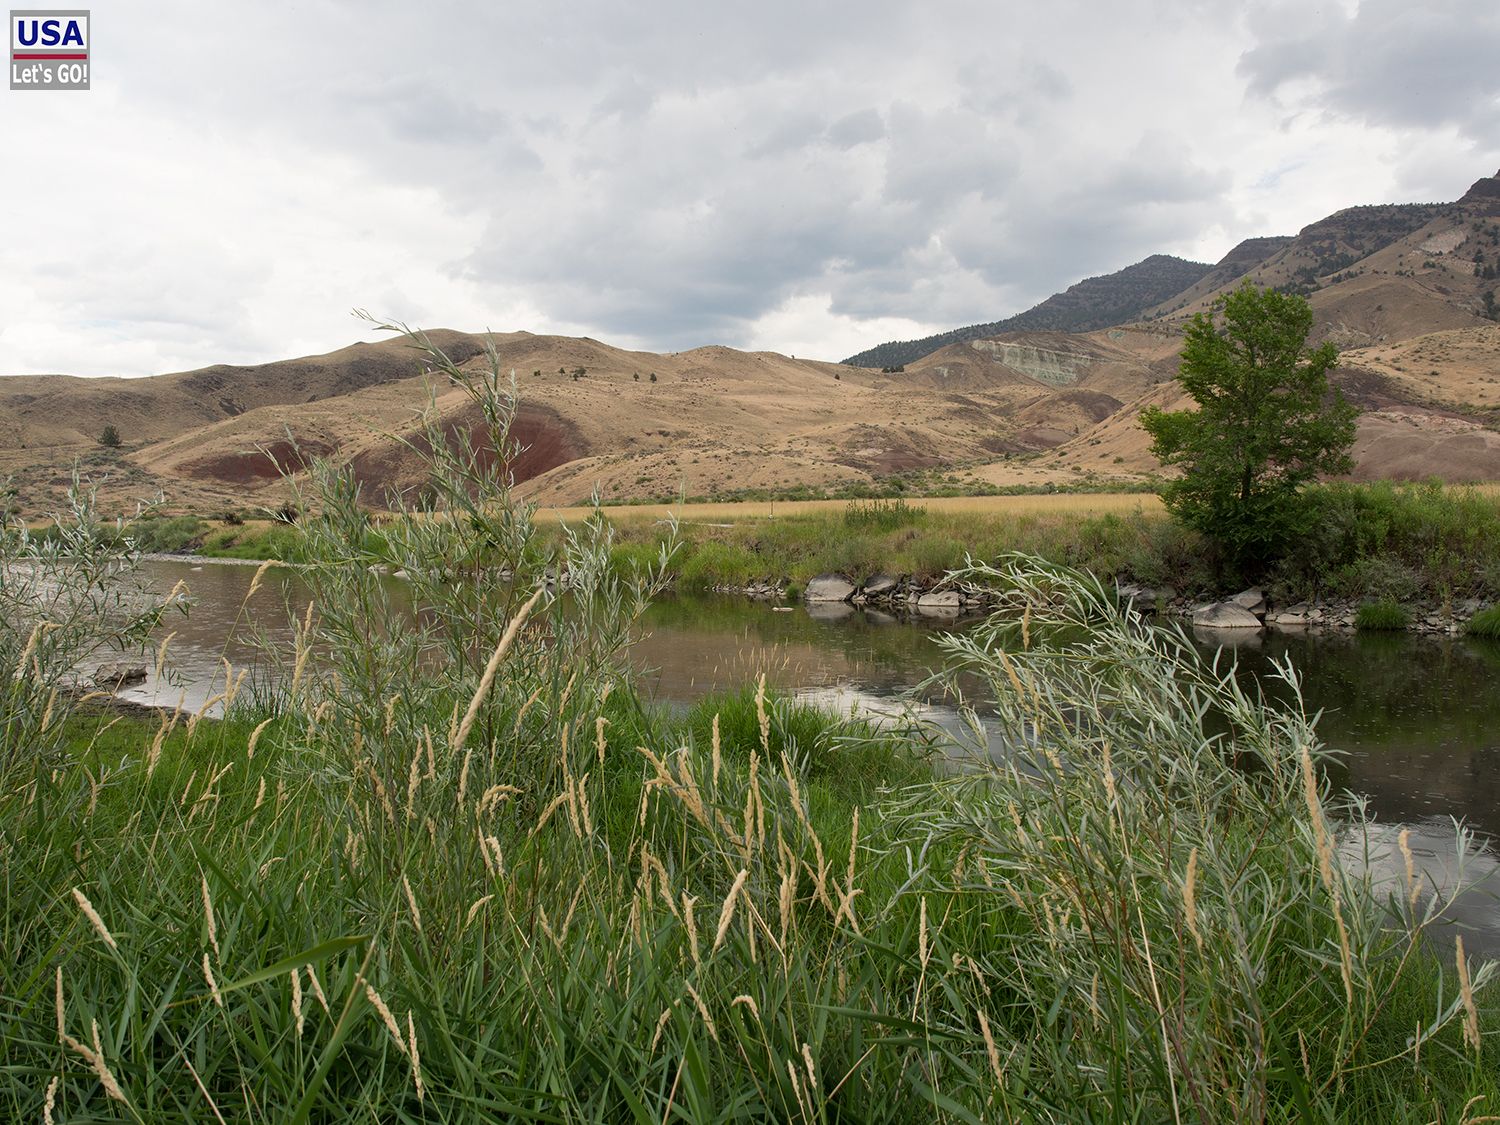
[[1417, 719], [1457, 880]]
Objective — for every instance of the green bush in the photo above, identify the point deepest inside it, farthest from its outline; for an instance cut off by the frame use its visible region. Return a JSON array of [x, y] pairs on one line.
[[1383, 539], [708, 564], [630, 558], [856, 556], [166, 534], [285, 544], [932, 556], [1382, 577], [1382, 616]]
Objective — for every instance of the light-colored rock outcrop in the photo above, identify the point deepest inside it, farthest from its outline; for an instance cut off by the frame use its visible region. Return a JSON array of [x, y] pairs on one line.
[[828, 588], [1225, 615]]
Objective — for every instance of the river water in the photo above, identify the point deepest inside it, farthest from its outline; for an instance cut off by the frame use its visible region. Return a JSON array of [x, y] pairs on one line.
[[1416, 720]]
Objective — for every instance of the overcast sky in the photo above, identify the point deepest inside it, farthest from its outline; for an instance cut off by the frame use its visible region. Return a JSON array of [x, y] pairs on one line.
[[809, 177]]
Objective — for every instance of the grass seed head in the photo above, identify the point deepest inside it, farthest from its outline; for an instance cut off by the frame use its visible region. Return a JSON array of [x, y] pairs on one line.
[[386, 1017], [416, 1058], [93, 916], [726, 915], [297, 1001], [1189, 898], [411, 902], [101, 1068], [208, 914], [1466, 991], [213, 985]]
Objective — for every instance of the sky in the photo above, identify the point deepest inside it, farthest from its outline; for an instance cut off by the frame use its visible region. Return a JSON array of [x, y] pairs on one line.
[[807, 177]]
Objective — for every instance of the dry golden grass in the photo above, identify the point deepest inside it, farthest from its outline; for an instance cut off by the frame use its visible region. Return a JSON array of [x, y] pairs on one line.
[[1092, 503]]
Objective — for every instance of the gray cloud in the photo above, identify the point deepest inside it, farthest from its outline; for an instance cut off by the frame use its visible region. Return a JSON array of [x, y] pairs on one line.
[[1387, 62], [675, 174], [858, 128]]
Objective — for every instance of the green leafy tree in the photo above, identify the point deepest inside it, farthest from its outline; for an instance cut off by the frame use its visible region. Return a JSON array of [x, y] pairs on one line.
[[1266, 423]]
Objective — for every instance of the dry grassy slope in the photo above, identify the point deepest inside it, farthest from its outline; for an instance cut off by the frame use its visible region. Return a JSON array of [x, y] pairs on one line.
[[1379, 274], [1456, 369], [715, 420], [62, 410], [1399, 292]]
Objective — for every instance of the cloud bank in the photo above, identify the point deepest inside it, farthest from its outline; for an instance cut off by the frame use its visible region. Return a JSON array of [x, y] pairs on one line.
[[808, 178]]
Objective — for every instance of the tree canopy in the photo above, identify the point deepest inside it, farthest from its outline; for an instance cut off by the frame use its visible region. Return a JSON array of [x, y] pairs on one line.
[[1265, 426]]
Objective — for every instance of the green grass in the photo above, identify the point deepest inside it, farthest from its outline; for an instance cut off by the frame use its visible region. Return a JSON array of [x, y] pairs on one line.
[[913, 484], [902, 539], [1385, 540], [852, 758], [1382, 616], [1485, 623], [255, 541], [639, 934], [1379, 542], [1371, 541]]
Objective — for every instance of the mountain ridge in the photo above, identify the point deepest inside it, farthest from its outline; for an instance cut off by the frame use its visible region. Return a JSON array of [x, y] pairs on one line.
[[1094, 302]]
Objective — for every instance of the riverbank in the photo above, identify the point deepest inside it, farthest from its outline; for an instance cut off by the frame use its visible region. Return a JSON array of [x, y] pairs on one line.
[[412, 904], [447, 866], [1431, 552], [1428, 555]]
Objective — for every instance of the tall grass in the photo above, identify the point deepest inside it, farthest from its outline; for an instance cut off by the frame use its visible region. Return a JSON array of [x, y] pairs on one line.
[[1384, 616], [462, 873], [1486, 623], [1369, 541], [1183, 931]]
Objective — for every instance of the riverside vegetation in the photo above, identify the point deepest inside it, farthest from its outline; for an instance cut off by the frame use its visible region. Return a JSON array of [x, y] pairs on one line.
[[1379, 541], [459, 871]]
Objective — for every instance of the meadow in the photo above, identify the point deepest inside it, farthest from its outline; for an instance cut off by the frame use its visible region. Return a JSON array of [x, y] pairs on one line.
[[457, 871]]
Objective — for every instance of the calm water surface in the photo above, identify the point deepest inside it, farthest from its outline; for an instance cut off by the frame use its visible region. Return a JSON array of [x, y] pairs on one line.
[[1416, 720]]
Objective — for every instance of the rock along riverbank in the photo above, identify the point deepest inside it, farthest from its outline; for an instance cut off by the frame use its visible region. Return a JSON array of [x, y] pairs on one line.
[[830, 595]]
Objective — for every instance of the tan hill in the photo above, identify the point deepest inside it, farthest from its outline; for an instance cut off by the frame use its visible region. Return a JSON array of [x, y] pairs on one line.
[[1229, 270], [1382, 273], [1408, 292], [713, 420], [1404, 291]]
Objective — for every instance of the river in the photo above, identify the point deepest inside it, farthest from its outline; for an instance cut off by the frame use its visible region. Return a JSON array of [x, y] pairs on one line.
[[1415, 720]]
